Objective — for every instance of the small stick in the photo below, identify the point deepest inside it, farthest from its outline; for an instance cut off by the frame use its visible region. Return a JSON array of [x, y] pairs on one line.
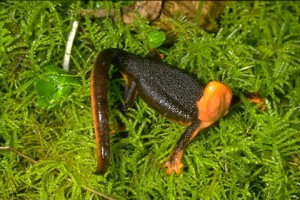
[[69, 46], [97, 193], [34, 161], [19, 153]]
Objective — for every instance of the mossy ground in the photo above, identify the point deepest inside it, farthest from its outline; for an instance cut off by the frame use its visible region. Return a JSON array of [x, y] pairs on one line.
[[249, 154]]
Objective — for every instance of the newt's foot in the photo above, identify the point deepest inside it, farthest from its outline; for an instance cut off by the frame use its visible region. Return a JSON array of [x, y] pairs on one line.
[[173, 166], [256, 98]]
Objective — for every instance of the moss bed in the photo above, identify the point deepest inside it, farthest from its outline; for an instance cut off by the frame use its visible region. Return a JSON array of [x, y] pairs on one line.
[[47, 140]]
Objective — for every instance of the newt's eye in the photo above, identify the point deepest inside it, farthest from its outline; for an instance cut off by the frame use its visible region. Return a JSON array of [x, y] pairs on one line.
[[215, 102]]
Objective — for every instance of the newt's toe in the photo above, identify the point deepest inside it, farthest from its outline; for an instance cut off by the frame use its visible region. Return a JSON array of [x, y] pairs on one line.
[[173, 167]]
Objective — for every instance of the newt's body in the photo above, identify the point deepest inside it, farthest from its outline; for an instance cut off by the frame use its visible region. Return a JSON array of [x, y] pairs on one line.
[[169, 91]]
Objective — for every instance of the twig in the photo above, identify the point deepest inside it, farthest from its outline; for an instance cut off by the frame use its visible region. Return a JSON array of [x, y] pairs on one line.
[[98, 193], [34, 161], [69, 46], [97, 13], [19, 153]]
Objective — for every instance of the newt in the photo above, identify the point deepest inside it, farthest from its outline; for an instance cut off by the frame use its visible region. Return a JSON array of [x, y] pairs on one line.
[[168, 90]]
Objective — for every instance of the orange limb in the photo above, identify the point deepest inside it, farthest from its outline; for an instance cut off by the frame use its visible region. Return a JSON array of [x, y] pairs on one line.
[[257, 99], [214, 104], [174, 161]]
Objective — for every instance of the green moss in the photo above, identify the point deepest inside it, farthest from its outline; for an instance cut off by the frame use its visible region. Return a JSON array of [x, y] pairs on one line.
[[246, 155]]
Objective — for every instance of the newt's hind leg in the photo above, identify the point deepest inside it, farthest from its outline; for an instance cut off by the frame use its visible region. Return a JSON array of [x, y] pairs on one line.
[[129, 97], [130, 93]]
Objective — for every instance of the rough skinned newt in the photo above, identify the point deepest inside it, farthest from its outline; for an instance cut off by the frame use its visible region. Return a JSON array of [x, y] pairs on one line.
[[171, 92]]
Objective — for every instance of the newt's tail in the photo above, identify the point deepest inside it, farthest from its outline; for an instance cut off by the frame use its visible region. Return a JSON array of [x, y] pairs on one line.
[[99, 91]]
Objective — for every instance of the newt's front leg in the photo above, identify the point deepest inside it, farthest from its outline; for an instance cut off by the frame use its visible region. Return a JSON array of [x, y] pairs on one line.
[[174, 161], [214, 104]]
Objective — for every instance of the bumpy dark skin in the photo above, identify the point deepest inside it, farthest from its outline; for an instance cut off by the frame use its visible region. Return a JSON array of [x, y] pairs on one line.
[[167, 90]]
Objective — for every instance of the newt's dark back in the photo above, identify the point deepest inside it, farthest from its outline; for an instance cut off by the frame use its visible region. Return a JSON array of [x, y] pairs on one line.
[[165, 88]]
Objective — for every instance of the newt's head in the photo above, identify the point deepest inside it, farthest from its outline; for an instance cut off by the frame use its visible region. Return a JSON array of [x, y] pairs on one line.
[[214, 103]]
